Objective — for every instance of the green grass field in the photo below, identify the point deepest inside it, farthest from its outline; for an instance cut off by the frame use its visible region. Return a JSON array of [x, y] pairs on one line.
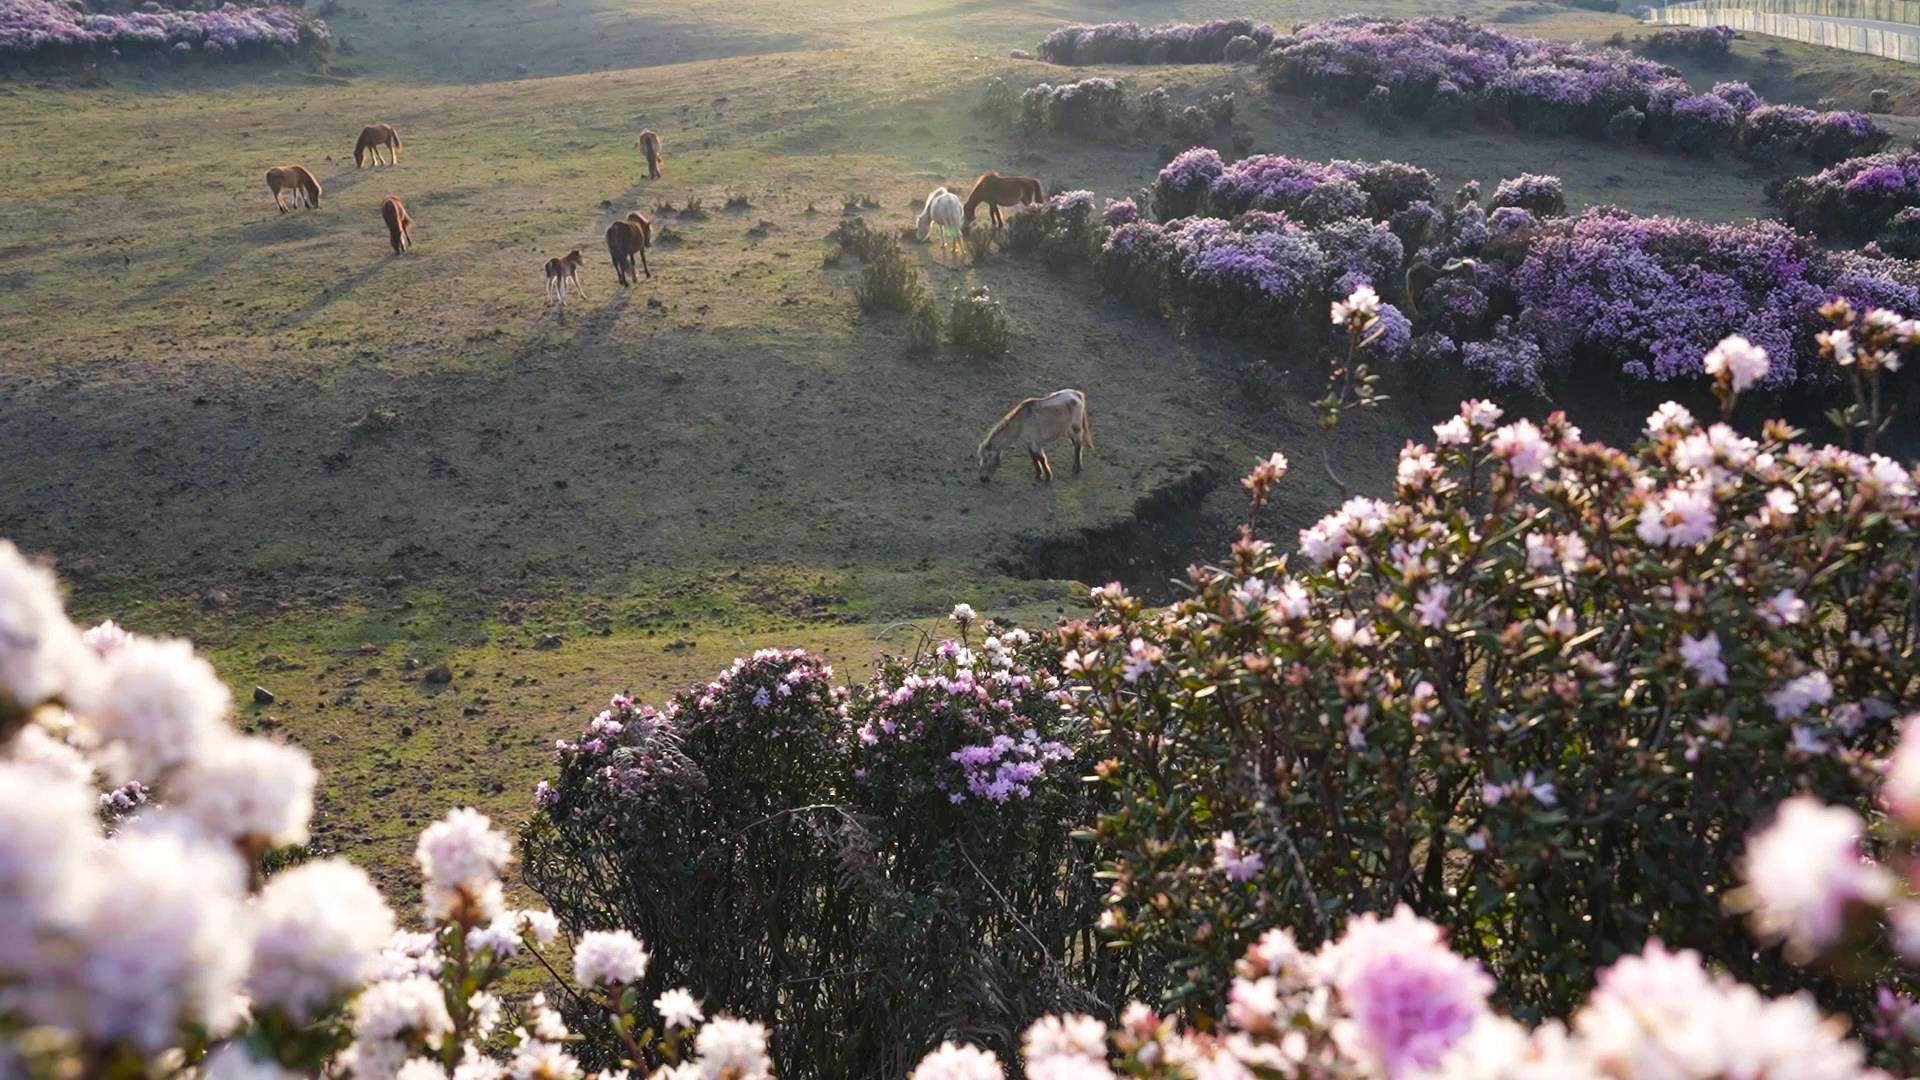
[[335, 468]]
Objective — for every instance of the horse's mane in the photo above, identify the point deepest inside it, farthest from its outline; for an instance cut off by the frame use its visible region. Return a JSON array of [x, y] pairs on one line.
[[646, 226], [307, 180], [1005, 422]]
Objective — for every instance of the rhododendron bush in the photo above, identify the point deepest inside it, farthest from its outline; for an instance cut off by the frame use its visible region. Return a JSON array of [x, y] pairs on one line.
[[872, 868], [36, 31], [1857, 199], [1167, 43], [1541, 694], [1447, 69], [141, 936], [1529, 301], [1388, 999]]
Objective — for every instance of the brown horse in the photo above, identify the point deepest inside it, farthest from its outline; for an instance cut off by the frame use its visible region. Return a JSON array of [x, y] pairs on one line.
[[399, 225], [649, 145], [628, 238], [373, 139], [292, 183], [998, 191], [560, 272]]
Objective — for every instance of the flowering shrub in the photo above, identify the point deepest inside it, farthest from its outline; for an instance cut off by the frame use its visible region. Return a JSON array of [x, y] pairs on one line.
[[1541, 196], [1739, 95], [1540, 694], [1245, 249], [1168, 43], [875, 868], [1648, 296], [1060, 229], [1183, 182], [977, 325], [1697, 42], [1090, 107], [1838, 895], [1311, 192], [1770, 133], [44, 31], [1855, 199], [164, 945], [1702, 123], [1389, 1000], [1445, 69]]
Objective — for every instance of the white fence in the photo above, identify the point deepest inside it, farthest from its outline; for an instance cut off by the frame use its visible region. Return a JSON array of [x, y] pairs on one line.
[[1891, 42]]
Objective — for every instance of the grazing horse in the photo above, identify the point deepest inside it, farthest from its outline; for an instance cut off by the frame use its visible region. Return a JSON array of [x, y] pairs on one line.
[[373, 139], [943, 211], [998, 191], [1036, 421], [649, 145], [628, 238], [293, 183], [560, 272], [399, 225]]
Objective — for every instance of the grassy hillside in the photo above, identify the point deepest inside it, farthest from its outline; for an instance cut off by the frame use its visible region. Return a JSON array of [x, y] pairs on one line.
[[324, 461]]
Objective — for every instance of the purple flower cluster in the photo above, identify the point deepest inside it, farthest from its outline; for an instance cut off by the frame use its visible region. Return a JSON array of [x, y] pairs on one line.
[[1643, 297], [1183, 182], [1119, 212], [1168, 43], [1649, 296], [1311, 192], [1739, 95], [769, 699], [964, 724], [1006, 767], [1770, 133], [1428, 66], [45, 31], [1856, 199]]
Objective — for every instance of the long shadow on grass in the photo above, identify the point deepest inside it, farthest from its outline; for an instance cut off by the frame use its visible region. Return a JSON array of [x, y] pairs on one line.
[[589, 325], [341, 287], [222, 253]]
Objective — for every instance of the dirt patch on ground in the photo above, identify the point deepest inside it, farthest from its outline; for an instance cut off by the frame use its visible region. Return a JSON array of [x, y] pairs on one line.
[[1168, 529]]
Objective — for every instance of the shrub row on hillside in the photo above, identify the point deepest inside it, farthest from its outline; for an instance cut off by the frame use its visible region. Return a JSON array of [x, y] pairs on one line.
[[1099, 108], [874, 868], [1521, 296], [1542, 693], [1873, 197], [44, 31], [1209, 42], [1696, 42], [1451, 70]]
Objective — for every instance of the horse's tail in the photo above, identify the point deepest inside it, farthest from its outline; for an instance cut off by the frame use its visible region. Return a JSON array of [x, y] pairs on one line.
[[1086, 426]]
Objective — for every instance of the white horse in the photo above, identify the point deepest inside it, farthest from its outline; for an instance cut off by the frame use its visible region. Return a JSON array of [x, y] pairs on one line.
[[945, 212], [1035, 421]]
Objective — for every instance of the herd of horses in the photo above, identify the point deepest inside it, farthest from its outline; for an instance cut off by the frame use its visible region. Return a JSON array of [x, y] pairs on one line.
[[1029, 424]]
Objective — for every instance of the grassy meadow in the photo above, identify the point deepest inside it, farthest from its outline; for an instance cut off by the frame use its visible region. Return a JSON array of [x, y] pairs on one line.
[[335, 468]]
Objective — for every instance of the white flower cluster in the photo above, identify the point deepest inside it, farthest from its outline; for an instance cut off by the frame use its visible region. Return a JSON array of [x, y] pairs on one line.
[[120, 941], [1389, 1000], [131, 947]]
